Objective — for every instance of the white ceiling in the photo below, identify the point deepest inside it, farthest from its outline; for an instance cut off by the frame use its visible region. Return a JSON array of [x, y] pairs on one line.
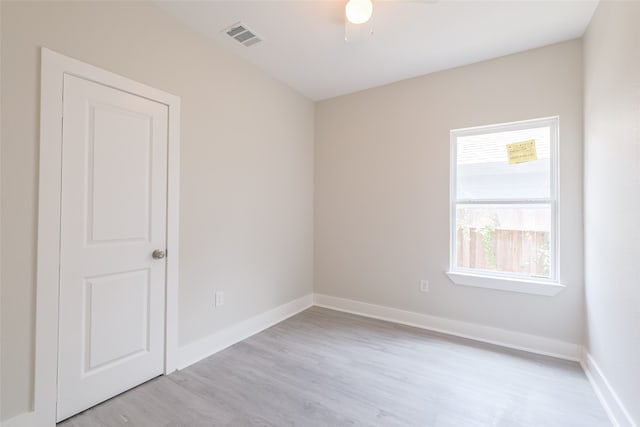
[[303, 40]]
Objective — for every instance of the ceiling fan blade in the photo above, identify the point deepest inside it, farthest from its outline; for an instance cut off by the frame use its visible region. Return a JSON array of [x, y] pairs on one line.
[[356, 32]]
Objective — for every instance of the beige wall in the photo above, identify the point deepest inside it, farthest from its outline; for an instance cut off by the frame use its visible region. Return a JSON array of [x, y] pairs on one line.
[[382, 188], [1, 323], [381, 191], [247, 167], [612, 197]]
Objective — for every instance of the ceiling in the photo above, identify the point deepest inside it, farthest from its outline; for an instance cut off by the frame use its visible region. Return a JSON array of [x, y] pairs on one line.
[[304, 40]]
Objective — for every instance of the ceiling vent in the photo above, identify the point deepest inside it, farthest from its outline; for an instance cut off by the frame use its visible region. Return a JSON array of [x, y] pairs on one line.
[[240, 33]]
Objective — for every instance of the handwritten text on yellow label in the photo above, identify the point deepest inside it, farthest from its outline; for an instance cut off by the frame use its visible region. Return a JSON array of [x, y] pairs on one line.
[[520, 152]]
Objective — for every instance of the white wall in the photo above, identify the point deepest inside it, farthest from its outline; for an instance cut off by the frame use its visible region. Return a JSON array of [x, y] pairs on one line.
[[382, 189], [612, 197], [247, 168]]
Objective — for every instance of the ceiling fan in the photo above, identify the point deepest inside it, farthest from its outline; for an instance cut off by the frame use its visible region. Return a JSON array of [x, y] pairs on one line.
[[358, 13]]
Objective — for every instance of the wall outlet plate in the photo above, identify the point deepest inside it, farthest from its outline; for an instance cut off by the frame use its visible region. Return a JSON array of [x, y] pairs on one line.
[[219, 298], [424, 285]]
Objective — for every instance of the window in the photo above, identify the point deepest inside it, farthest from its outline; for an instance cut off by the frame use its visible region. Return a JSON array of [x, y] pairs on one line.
[[504, 206]]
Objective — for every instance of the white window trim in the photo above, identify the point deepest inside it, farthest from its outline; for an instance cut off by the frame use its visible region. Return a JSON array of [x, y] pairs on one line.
[[500, 280], [534, 287]]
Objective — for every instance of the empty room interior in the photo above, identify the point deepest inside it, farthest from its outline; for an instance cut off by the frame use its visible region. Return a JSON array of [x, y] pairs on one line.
[[320, 213]]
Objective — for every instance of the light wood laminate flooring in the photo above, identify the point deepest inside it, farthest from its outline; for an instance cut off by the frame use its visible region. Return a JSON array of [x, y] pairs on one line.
[[328, 369]]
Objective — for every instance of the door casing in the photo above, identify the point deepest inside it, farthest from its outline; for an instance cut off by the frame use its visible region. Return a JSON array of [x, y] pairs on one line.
[[54, 67]]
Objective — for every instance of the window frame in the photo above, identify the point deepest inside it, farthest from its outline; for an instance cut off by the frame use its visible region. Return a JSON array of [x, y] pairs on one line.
[[504, 280]]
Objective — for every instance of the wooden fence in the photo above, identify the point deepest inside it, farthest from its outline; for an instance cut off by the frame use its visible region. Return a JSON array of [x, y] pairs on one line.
[[515, 251]]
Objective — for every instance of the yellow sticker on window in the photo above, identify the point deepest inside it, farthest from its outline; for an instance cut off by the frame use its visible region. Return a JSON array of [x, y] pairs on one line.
[[521, 152]]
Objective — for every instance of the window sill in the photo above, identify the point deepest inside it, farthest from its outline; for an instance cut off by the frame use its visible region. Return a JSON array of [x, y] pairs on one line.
[[506, 284]]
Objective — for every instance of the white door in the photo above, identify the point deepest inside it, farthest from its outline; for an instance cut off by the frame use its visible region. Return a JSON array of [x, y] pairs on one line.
[[114, 204]]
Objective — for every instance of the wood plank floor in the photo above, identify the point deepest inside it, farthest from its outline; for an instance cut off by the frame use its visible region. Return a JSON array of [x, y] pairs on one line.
[[326, 368]]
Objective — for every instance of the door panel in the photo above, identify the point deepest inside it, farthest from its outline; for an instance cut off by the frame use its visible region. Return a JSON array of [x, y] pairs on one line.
[[112, 292], [121, 138], [110, 339]]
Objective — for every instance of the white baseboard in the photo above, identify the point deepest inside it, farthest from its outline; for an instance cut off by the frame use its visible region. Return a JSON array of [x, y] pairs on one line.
[[196, 351], [28, 419], [616, 411], [488, 334], [203, 348]]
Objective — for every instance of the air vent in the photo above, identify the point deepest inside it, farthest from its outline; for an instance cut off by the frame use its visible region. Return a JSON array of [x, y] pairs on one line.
[[240, 33]]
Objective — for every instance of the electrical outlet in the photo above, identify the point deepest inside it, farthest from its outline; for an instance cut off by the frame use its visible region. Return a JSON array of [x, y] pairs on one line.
[[424, 286], [219, 298]]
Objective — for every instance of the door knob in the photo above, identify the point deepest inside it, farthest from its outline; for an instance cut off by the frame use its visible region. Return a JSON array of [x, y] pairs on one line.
[[158, 254]]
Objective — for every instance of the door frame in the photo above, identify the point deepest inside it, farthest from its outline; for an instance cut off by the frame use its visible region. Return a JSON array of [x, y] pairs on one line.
[[54, 67]]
